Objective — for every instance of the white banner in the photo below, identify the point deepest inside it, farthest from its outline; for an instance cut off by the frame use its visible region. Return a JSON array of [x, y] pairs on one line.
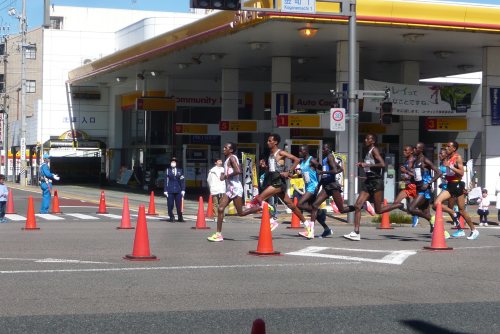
[[420, 100]]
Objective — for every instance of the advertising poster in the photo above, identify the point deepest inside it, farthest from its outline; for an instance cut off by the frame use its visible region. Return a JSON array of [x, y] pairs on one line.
[[415, 100], [250, 185]]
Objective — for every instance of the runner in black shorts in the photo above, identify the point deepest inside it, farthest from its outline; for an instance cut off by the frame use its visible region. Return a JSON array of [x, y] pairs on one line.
[[329, 186]]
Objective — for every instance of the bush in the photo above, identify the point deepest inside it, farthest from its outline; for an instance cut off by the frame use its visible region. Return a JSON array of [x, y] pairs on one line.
[[394, 218]]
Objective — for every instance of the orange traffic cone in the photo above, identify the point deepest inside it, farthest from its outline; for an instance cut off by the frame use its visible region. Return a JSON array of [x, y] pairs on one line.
[[55, 203], [461, 225], [265, 245], [210, 207], [201, 223], [385, 224], [151, 208], [334, 207], [10, 204], [295, 219], [259, 327], [30, 220], [438, 241], [125, 225], [102, 204], [141, 250]]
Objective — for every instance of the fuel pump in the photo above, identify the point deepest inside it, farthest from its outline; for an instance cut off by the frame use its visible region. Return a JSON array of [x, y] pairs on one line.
[[390, 178], [197, 159]]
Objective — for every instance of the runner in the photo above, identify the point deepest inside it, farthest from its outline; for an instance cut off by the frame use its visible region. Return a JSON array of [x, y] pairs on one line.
[[234, 188], [455, 189], [276, 180], [373, 186], [422, 168], [329, 186], [308, 171]]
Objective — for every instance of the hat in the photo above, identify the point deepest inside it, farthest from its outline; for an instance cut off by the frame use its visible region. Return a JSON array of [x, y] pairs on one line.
[[46, 156], [173, 159]]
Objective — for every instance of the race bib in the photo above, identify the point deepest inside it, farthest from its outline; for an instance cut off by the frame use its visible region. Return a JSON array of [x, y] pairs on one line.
[[418, 174]]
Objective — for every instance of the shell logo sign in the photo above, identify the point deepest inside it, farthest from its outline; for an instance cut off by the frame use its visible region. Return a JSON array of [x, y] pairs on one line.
[[18, 155], [76, 134]]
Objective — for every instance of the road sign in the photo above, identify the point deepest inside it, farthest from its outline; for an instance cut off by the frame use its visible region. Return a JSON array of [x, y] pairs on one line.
[[298, 121], [299, 6], [337, 119]]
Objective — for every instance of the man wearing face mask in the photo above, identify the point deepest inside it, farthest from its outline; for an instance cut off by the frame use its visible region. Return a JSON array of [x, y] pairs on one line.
[[174, 189]]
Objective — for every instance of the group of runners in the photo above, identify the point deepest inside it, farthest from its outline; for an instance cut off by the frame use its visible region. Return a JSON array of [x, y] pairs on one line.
[[418, 174]]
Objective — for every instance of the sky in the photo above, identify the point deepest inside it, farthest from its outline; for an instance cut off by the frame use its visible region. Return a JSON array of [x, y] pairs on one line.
[[34, 8]]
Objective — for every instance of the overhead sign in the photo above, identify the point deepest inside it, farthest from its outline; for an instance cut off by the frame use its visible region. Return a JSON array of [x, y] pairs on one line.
[[299, 6], [298, 121], [191, 128], [446, 124], [337, 119], [238, 126]]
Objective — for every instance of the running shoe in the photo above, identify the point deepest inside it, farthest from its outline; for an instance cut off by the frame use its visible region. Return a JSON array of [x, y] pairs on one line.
[[326, 233], [446, 235], [414, 221], [473, 235], [307, 234], [433, 220], [216, 237], [481, 224], [274, 224], [485, 224], [458, 234], [369, 208], [353, 236], [334, 207]]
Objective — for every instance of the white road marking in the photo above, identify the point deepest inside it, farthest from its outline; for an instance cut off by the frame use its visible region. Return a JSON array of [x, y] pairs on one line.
[[48, 216], [109, 215], [82, 216], [14, 217], [393, 257], [243, 266], [50, 260], [151, 217]]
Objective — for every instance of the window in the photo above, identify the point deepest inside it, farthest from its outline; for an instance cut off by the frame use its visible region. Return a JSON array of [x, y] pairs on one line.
[[2, 49], [30, 52], [56, 22], [2, 83], [30, 86]]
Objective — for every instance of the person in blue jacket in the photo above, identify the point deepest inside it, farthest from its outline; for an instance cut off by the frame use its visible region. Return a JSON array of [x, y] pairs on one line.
[[174, 188], [46, 178]]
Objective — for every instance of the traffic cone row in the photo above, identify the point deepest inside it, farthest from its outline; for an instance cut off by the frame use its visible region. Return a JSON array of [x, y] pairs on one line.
[[295, 223]]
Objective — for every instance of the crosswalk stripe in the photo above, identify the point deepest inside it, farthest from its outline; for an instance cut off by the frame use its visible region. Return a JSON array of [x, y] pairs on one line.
[[14, 217], [48, 216], [151, 217], [109, 215], [82, 216]]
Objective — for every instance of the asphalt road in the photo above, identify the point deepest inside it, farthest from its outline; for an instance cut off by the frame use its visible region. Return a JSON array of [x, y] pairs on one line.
[[70, 277]]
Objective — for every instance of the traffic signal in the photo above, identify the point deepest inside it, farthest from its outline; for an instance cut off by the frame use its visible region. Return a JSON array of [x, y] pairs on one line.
[[216, 4], [386, 113]]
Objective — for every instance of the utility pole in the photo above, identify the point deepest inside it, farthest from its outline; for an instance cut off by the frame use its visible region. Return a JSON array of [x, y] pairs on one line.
[[5, 112], [23, 29]]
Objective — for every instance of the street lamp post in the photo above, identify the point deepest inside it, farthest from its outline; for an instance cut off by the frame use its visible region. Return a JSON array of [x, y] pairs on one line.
[[22, 144]]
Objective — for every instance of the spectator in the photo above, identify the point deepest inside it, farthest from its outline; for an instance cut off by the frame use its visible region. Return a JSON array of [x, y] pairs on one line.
[[217, 187], [46, 178], [174, 188], [482, 209], [4, 192]]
